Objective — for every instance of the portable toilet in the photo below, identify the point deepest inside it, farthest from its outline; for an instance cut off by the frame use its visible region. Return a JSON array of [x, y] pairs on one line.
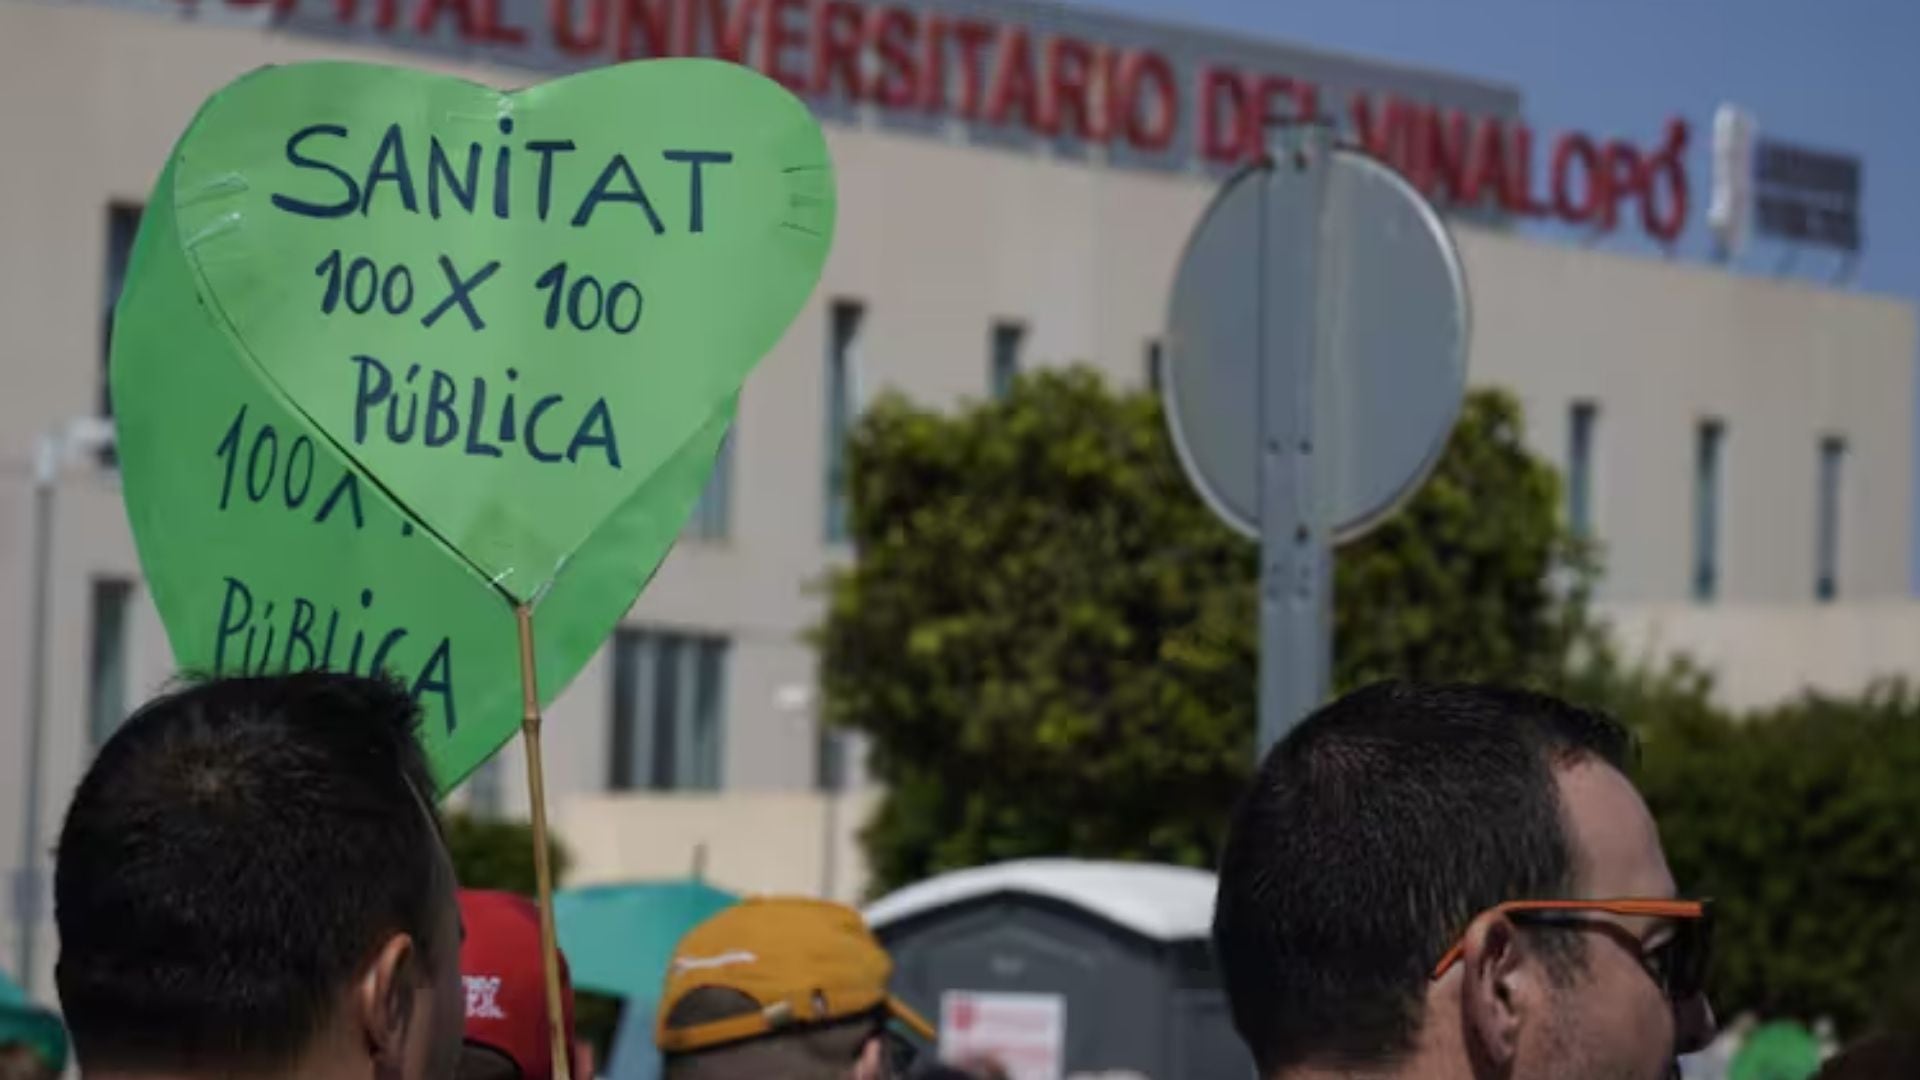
[[1057, 967]]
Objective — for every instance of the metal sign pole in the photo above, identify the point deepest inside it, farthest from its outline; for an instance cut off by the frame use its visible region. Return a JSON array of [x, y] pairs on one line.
[[1296, 552], [1315, 359]]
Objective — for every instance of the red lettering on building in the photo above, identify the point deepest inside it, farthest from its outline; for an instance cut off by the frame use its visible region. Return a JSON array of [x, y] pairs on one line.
[[1223, 115], [1570, 151], [1284, 100], [1486, 167], [777, 38], [1057, 84], [1104, 99], [1070, 68], [727, 31], [1621, 170], [972, 35], [655, 22], [1013, 91], [1149, 102], [427, 16], [1466, 163], [1666, 169], [1446, 132], [839, 33], [1518, 198], [933, 66], [567, 35], [1238, 111], [495, 30], [898, 85], [1394, 135]]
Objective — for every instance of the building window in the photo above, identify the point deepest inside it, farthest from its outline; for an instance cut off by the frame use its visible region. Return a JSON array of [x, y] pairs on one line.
[[830, 759], [1153, 364], [1581, 422], [712, 515], [1826, 579], [123, 223], [1708, 451], [483, 789], [1003, 360], [843, 372], [107, 658], [668, 703]]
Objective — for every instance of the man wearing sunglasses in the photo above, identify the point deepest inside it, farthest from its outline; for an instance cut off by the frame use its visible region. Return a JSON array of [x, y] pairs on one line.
[[784, 988], [1456, 883]]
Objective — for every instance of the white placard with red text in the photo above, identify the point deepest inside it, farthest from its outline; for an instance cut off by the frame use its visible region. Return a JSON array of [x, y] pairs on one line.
[[1025, 1033]]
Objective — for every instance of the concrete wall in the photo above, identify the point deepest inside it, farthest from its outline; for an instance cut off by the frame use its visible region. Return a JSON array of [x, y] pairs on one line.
[[1762, 654], [1661, 346], [749, 842]]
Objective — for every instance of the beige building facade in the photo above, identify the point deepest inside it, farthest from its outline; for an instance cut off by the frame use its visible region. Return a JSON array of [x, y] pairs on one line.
[[1741, 447]]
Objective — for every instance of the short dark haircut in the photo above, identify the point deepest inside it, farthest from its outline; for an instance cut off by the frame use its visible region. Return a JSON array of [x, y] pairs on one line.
[[232, 858], [1372, 835], [802, 1052], [1887, 1056]]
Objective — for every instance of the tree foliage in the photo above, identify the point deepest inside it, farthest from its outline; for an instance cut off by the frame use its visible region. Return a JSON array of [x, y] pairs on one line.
[[491, 854], [1052, 642], [1803, 822], [1476, 577], [1045, 633], [1052, 645]]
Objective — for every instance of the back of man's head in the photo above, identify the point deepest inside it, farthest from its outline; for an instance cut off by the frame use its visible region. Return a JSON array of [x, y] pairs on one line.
[[781, 988], [1885, 1056], [829, 1051], [1372, 834], [232, 860]]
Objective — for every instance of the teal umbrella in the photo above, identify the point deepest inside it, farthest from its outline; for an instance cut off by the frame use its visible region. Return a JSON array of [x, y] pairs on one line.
[[21, 1021], [620, 938]]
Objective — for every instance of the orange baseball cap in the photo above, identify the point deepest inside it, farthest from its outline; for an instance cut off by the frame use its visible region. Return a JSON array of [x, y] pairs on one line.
[[802, 962]]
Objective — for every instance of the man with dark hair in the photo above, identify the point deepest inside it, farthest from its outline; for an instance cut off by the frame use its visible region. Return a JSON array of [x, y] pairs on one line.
[[783, 988], [1886, 1056], [251, 883], [1456, 883]]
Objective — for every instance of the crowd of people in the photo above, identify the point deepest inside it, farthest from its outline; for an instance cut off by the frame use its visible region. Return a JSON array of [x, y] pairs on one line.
[[1456, 882]]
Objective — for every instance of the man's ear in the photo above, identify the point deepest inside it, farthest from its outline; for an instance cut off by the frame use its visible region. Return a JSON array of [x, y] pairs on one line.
[[873, 1061], [1503, 989], [385, 1001]]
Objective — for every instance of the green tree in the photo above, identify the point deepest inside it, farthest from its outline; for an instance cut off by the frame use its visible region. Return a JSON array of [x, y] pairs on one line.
[[1799, 820], [1052, 642], [491, 854], [1476, 577], [1803, 822]]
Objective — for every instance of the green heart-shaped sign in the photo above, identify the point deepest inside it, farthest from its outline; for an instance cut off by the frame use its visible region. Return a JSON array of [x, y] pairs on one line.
[[267, 551], [273, 541], [512, 309]]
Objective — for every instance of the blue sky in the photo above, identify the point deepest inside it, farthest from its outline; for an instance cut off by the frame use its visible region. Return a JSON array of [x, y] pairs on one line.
[[1840, 74]]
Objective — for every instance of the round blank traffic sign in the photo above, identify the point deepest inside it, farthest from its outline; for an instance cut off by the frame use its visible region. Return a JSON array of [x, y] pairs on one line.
[[1390, 303]]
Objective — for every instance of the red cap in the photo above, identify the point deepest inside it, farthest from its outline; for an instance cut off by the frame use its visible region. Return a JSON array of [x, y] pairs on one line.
[[506, 989]]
